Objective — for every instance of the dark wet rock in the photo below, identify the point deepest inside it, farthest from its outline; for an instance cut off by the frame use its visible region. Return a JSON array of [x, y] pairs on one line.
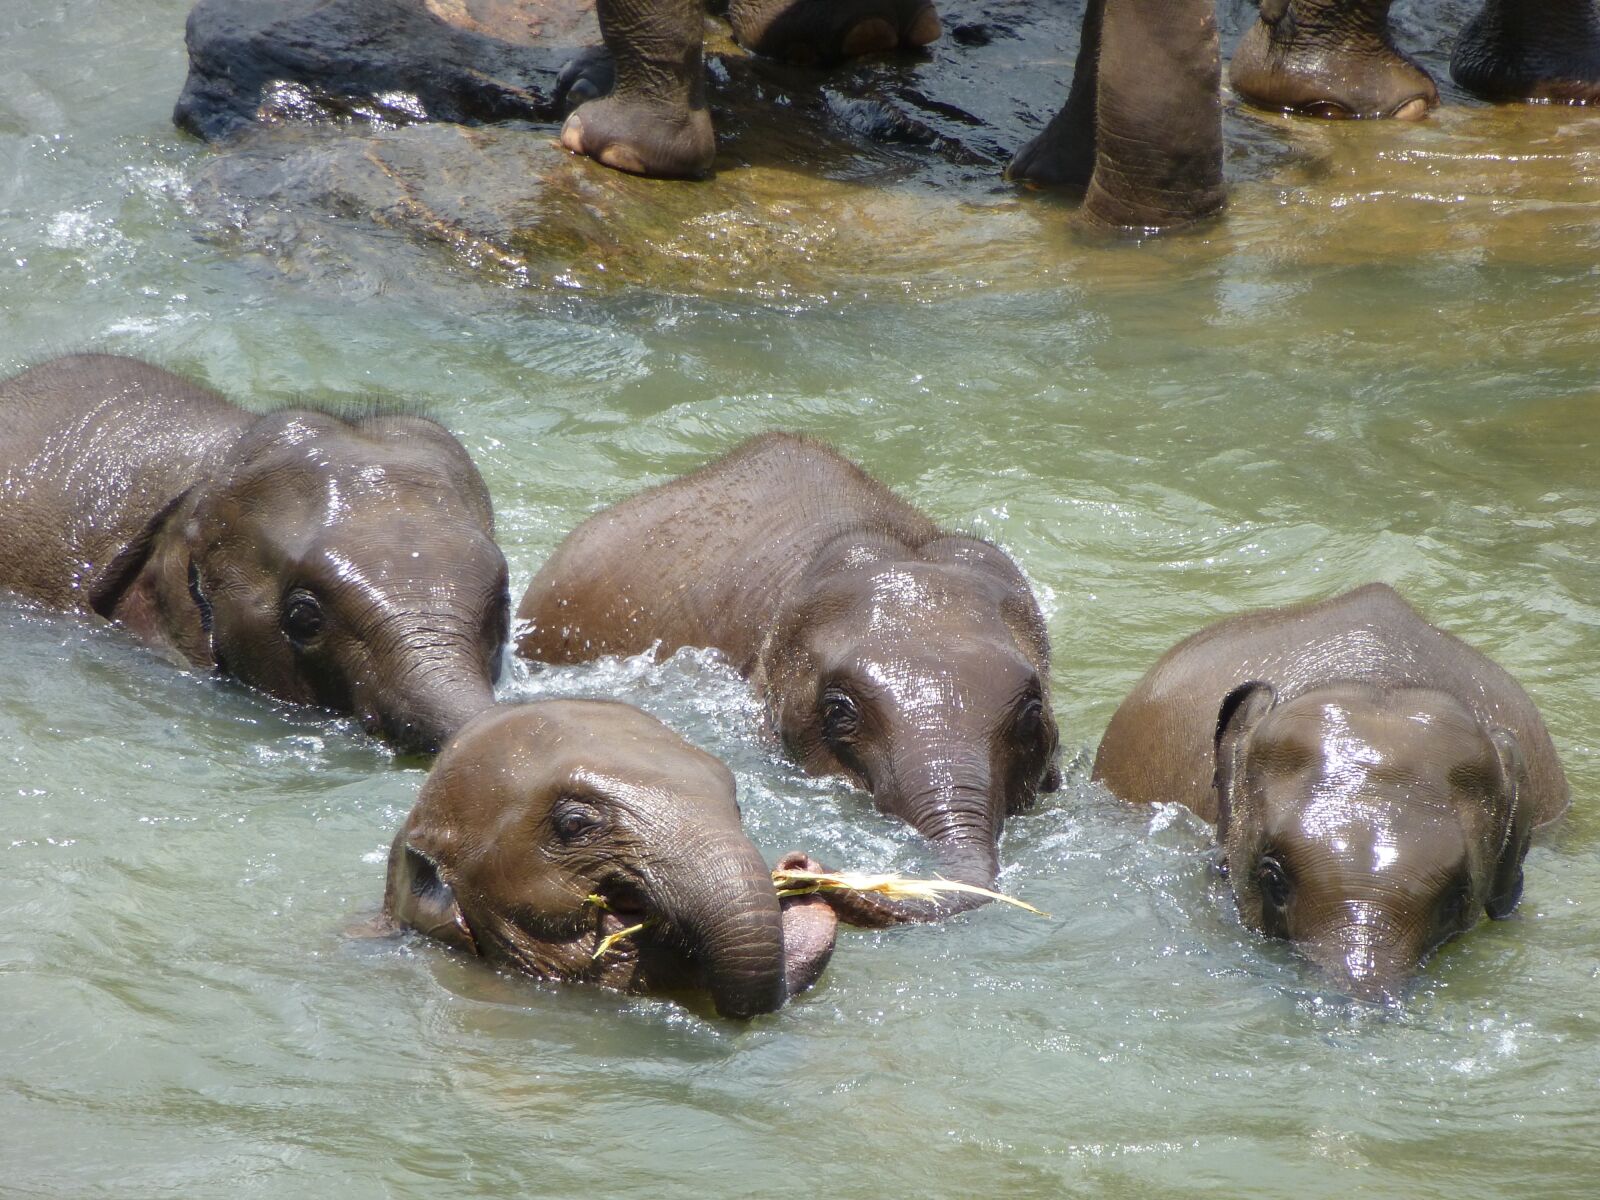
[[375, 61]]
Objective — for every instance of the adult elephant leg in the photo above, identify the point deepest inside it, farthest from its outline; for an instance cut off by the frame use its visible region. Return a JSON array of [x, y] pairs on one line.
[[1538, 50], [1158, 149], [819, 32], [1329, 58], [655, 121], [1063, 154]]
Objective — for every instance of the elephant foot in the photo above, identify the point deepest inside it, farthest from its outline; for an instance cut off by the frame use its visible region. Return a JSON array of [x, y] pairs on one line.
[[642, 139], [822, 32], [1544, 54], [1061, 156], [1334, 71]]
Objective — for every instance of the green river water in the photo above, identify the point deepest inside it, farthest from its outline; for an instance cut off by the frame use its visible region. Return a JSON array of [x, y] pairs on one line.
[[1380, 365]]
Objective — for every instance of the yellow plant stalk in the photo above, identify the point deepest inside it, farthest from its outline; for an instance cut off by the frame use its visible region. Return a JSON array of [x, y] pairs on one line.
[[611, 939], [895, 887]]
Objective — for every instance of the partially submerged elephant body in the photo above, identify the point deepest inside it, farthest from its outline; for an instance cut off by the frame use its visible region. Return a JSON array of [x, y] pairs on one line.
[[343, 563], [909, 659], [1374, 781], [545, 828]]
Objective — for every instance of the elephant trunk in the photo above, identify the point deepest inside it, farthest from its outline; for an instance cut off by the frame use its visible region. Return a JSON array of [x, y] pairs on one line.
[[720, 902], [426, 687], [957, 806], [1367, 952]]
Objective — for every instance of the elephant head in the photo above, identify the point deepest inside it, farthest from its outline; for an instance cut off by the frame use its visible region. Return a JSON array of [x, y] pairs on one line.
[[545, 827], [346, 564], [925, 681], [1367, 824]]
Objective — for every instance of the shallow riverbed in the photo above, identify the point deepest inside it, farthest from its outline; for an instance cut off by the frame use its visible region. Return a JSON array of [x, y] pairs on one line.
[[1380, 365]]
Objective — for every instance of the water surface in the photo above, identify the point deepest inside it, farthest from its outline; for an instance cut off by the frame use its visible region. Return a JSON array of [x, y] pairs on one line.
[[1380, 365]]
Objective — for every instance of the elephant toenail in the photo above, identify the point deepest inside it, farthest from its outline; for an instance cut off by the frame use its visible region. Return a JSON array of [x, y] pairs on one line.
[[622, 158], [572, 134], [1413, 109]]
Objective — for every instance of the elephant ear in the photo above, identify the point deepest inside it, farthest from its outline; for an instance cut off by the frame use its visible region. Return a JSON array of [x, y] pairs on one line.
[[419, 897], [1517, 826], [1240, 710]]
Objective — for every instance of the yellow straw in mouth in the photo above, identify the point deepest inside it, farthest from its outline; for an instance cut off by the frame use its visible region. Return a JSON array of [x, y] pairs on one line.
[[895, 887], [611, 939]]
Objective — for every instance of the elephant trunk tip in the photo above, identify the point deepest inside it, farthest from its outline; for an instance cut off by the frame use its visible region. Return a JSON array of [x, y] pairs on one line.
[[1370, 974], [426, 728]]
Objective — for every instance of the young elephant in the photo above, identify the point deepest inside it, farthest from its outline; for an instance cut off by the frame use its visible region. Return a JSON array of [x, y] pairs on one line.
[[343, 563], [1374, 781], [911, 660], [545, 827]]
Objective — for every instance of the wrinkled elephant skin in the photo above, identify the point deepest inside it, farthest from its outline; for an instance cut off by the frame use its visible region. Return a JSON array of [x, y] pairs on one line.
[[1338, 59]]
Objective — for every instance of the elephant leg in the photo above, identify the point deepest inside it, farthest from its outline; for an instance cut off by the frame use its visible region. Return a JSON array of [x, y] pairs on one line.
[[820, 32], [655, 121], [1539, 50], [1329, 58], [1063, 154], [1158, 147]]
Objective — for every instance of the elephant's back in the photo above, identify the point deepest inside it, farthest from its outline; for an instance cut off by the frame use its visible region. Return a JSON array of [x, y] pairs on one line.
[[706, 559], [1160, 743], [92, 449]]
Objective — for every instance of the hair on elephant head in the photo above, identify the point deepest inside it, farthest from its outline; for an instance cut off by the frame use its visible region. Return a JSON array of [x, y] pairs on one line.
[[1368, 825], [546, 827]]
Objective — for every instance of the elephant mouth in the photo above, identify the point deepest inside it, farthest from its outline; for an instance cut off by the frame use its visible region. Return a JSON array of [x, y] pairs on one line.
[[810, 927]]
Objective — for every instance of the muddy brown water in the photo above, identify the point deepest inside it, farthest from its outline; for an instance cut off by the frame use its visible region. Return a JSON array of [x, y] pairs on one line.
[[1380, 365]]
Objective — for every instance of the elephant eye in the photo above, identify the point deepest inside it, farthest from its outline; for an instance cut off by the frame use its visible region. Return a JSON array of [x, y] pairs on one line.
[[1273, 881], [574, 821], [840, 717], [1030, 718], [301, 620], [1454, 912]]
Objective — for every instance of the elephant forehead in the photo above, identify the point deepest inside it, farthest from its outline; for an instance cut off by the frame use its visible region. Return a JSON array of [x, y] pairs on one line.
[[916, 688], [905, 598], [1374, 827], [653, 785], [394, 575]]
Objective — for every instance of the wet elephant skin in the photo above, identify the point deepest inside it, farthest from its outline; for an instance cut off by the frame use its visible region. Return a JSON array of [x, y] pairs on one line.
[[1374, 781], [909, 659], [534, 812], [1338, 58], [348, 564]]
